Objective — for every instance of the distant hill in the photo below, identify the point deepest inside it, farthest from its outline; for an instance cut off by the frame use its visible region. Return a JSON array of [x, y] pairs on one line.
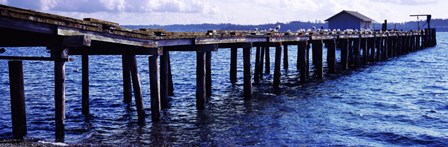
[[440, 25]]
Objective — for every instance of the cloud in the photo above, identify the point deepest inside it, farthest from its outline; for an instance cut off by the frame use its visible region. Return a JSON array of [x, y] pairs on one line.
[[92, 6], [408, 2], [3, 2], [231, 11]]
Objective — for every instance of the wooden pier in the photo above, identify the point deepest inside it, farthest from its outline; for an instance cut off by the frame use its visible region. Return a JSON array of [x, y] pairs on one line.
[[66, 37]]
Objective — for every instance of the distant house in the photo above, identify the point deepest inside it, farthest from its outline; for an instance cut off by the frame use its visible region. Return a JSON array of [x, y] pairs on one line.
[[350, 20]]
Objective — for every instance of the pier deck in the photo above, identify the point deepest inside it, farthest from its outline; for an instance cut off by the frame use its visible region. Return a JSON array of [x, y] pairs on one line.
[[66, 37]]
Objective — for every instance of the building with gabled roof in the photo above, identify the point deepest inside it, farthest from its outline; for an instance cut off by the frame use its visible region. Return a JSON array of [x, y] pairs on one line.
[[350, 20]]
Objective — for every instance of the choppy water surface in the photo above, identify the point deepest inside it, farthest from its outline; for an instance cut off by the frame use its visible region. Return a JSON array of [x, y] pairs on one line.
[[403, 101]]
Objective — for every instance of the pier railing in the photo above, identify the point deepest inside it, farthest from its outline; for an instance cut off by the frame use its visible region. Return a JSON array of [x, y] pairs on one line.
[[65, 37]]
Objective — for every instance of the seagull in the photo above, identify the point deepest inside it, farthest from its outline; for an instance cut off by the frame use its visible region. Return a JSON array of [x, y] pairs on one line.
[[277, 28]]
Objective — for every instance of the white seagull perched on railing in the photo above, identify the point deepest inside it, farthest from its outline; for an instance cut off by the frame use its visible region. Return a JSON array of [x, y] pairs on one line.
[[277, 28]]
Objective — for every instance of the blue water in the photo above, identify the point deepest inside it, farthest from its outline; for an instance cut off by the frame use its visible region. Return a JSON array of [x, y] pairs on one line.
[[402, 101]]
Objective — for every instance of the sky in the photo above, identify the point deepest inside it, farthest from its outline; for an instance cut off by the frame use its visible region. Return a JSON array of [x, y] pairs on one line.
[[164, 12]]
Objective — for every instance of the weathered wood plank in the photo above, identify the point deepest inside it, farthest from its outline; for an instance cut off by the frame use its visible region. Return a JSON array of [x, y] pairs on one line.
[[76, 41], [34, 58]]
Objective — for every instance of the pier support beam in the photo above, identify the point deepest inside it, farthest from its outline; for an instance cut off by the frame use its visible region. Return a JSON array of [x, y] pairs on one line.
[[170, 76], [317, 58], [365, 50], [385, 48], [59, 92], [155, 87], [18, 112], [277, 73], [268, 61], [233, 64], [164, 80], [371, 46], [257, 65], [85, 83], [356, 51], [350, 59], [208, 74], [201, 96], [126, 78], [261, 62], [247, 73], [137, 90], [379, 48], [344, 44], [302, 59], [331, 56], [285, 57]]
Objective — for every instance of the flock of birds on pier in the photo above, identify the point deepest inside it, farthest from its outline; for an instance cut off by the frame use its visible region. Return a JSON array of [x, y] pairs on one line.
[[322, 31]]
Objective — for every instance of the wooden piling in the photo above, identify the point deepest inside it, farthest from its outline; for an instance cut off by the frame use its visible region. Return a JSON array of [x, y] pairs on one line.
[[155, 87], [399, 45], [303, 60], [298, 57], [365, 49], [380, 47], [164, 80], [257, 65], [386, 48], [247, 73], [317, 58], [356, 51], [413, 40], [371, 49], [268, 61], [307, 63], [233, 65], [331, 55], [419, 41], [285, 57], [137, 90], [277, 73], [344, 43], [261, 62], [201, 96], [85, 83], [59, 92], [126, 78], [350, 58], [18, 112], [208, 74], [170, 76]]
